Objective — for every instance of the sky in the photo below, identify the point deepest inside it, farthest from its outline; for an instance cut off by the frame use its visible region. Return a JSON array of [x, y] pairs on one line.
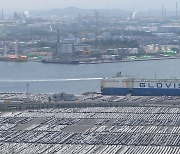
[[140, 5]]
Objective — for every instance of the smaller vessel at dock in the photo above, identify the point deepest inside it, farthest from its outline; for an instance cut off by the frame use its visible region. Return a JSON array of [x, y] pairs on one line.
[[60, 61], [14, 58]]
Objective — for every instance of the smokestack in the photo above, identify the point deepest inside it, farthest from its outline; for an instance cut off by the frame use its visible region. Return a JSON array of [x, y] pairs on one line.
[[176, 10], [162, 10], [2, 15], [165, 12], [58, 35]]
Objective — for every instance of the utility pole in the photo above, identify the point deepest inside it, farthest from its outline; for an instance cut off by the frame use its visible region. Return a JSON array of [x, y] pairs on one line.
[[27, 92]]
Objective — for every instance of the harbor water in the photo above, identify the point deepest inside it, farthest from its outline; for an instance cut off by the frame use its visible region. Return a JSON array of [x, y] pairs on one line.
[[35, 77]]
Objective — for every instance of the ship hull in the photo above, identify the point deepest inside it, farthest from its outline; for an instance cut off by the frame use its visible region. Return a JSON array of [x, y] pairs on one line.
[[140, 91], [60, 62]]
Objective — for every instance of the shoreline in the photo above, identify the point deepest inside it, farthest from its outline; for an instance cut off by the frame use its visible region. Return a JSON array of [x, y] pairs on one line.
[[126, 60]]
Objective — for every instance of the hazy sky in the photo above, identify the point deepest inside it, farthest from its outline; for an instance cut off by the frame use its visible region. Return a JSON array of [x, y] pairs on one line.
[[92, 4]]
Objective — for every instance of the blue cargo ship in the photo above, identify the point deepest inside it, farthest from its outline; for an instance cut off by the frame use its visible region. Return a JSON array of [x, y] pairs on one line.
[[140, 86]]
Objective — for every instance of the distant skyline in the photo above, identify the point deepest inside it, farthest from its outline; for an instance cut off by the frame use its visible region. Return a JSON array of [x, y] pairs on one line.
[[140, 5]]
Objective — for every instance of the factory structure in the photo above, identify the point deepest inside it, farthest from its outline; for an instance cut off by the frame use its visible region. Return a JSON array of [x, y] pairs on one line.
[[11, 52]]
